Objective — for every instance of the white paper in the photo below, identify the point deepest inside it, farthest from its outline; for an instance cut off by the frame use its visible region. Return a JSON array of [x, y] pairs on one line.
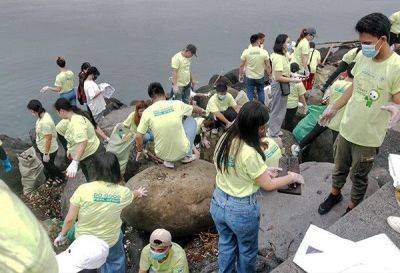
[[394, 169], [108, 90]]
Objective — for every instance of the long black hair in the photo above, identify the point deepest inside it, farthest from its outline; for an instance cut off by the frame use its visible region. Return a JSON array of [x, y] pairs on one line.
[[302, 35], [251, 117], [64, 104], [36, 106], [108, 168], [280, 42]]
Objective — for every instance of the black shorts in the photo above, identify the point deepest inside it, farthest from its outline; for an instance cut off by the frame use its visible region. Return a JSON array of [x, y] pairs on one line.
[[394, 38]]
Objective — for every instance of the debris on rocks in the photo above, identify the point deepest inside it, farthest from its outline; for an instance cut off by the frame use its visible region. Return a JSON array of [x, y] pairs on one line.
[[204, 246]]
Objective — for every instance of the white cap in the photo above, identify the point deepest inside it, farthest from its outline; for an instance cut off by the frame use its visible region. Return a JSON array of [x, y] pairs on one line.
[[86, 252]]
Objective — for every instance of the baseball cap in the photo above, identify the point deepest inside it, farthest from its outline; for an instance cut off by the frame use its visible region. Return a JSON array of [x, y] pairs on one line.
[[160, 238], [86, 252], [192, 49], [312, 31]]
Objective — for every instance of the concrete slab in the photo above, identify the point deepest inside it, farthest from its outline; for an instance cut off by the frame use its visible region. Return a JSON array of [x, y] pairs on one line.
[[285, 218], [366, 220]]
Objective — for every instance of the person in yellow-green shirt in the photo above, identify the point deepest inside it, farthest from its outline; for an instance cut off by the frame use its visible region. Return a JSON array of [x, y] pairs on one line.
[[302, 49], [97, 206], [222, 106], [46, 141], [272, 152], [162, 255], [241, 170], [314, 59], [82, 143], [367, 115], [133, 120], [280, 85], [395, 30], [297, 92], [255, 63], [182, 78], [64, 84], [173, 138], [24, 245]]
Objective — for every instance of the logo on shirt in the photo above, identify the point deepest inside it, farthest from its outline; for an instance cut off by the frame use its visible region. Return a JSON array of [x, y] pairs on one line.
[[164, 111], [269, 153], [371, 97], [106, 198]]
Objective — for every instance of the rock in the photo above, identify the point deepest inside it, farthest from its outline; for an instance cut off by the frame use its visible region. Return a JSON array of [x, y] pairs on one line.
[[116, 116], [320, 150], [178, 199], [323, 74], [314, 97], [13, 146], [261, 266], [233, 75], [135, 241], [69, 189], [113, 104], [381, 175], [215, 79], [391, 145]]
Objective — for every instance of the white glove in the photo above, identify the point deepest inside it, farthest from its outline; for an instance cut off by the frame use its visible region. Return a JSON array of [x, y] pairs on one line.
[[307, 73], [175, 88], [229, 124], [60, 240], [46, 158], [72, 169], [394, 110], [44, 89], [327, 116], [296, 178], [140, 192]]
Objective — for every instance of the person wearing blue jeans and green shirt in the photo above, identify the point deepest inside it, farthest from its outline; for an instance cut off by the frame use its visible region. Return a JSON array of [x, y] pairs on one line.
[[98, 205], [255, 63], [242, 168]]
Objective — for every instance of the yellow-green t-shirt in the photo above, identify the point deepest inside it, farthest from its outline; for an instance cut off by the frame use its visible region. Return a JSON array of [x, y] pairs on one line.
[[199, 122], [316, 59], [164, 119], [130, 123], [336, 91], [273, 153], [182, 66], [65, 80], [303, 48], [62, 126], [395, 21], [374, 84], [296, 90], [80, 129], [238, 179], [280, 63], [24, 246], [45, 126], [176, 261], [351, 55], [255, 59], [217, 105], [100, 206]]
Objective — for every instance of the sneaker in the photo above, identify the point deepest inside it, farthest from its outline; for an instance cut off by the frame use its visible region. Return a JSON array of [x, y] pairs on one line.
[[169, 165], [295, 149], [329, 203], [188, 159], [394, 223], [347, 211]]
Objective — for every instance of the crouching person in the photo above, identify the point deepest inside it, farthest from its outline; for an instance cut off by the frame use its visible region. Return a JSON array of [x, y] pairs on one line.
[[222, 106], [162, 255]]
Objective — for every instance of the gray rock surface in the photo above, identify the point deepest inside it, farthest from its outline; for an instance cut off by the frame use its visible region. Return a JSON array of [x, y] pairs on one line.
[[69, 189]]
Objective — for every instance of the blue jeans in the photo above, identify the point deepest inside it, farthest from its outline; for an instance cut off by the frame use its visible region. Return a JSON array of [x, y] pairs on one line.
[[190, 127], [237, 221], [258, 84], [183, 95], [70, 96], [115, 262], [148, 137]]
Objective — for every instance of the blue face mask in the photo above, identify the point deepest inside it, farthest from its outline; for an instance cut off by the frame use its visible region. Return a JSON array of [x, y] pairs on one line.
[[289, 47], [221, 97], [370, 51], [158, 256]]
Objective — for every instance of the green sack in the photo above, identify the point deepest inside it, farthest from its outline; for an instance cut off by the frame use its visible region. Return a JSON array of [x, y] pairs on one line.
[[304, 127], [120, 147]]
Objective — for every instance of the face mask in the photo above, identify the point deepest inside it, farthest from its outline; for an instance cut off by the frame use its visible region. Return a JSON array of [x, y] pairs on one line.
[[370, 51], [289, 47], [221, 97], [158, 256]]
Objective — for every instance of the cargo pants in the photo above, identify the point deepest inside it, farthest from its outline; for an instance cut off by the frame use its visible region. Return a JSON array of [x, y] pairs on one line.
[[355, 160]]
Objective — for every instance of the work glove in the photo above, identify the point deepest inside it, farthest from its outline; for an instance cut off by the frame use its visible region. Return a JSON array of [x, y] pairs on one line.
[[72, 169], [296, 178], [60, 240], [46, 158], [327, 116], [394, 110], [45, 89]]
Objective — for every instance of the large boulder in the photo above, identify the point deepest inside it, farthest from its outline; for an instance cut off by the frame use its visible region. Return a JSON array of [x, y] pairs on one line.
[[116, 116], [178, 199], [233, 75]]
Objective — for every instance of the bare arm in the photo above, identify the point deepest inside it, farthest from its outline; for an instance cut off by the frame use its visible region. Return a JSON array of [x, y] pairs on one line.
[[139, 142], [198, 110], [56, 89], [80, 151], [175, 77], [342, 101], [302, 99], [270, 184], [70, 219], [304, 58], [241, 68], [221, 117], [47, 144], [268, 68], [280, 78]]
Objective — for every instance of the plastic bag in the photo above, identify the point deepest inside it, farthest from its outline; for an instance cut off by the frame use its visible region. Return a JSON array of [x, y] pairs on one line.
[[305, 125], [31, 169]]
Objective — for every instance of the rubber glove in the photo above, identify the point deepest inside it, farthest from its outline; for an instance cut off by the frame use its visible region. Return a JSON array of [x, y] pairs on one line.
[[60, 240], [45, 89], [394, 110], [72, 169], [327, 116], [296, 178], [46, 158]]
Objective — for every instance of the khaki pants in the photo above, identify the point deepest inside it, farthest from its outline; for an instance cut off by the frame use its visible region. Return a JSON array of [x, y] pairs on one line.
[[355, 160]]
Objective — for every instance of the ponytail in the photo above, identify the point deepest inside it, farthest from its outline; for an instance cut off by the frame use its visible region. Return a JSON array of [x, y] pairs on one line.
[[64, 104], [303, 34], [36, 106]]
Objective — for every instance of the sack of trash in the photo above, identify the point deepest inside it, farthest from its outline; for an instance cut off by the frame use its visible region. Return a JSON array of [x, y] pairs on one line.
[[304, 127], [31, 169]]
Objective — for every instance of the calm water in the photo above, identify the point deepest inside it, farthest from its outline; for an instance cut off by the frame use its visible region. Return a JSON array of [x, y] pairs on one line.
[[132, 41]]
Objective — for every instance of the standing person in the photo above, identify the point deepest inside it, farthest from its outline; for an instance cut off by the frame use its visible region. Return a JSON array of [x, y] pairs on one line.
[[7, 166], [241, 171], [182, 78], [302, 49], [163, 255], [297, 92], [395, 30], [313, 62], [222, 106], [280, 85], [64, 84], [255, 61], [365, 119], [173, 138], [94, 96], [97, 206], [81, 96], [82, 143], [46, 141]]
